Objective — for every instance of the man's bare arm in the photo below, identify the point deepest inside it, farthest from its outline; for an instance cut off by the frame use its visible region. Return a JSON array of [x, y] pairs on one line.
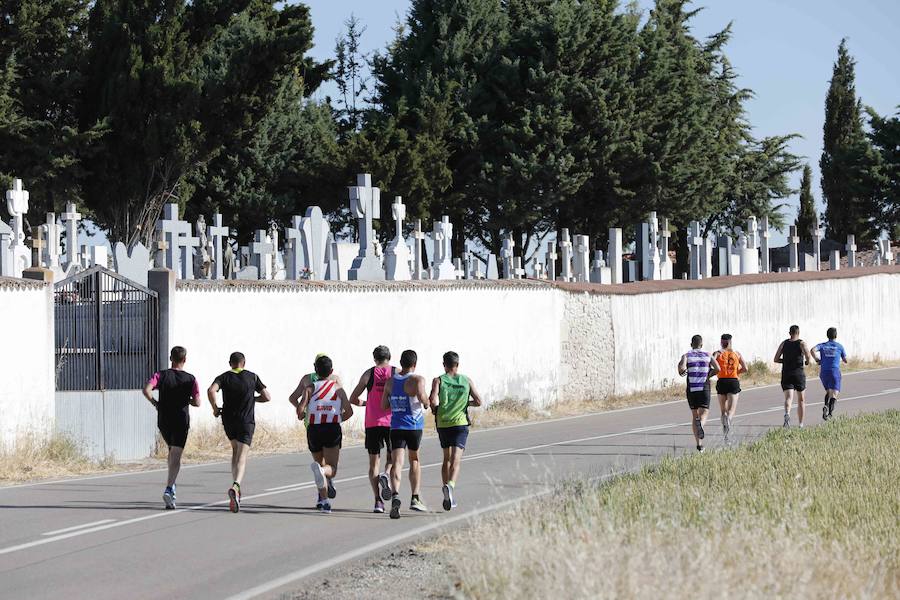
[[474, 395], [346, 407], [814, 353], [211, 396], [304, 402], [806, 354], [295, 396], [682, 365], [358, 390], [435, 399], [778, 353], [386, 395], [742, 366], [713, 368], [264, 396], [148, 394], [421, 390]]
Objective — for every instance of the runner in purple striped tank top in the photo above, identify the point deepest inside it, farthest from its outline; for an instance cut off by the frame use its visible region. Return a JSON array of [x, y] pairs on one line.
[[698, 366]]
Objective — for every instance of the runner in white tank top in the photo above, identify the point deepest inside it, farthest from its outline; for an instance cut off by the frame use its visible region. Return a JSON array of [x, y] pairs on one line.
[[327, 405]]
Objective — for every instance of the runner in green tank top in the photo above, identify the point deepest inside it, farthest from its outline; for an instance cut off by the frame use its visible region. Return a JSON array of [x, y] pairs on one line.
[[451, 396]]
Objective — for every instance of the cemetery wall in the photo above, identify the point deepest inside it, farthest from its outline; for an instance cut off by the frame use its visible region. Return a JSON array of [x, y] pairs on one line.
[[507, 333], [27, 359]]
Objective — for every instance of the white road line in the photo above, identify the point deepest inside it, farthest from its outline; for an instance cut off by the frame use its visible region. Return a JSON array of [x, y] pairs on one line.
[[472, 432], [71, 534], [67, 529]]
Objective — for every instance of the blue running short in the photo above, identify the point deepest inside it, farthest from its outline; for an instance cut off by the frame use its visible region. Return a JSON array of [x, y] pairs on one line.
[[831, 380]]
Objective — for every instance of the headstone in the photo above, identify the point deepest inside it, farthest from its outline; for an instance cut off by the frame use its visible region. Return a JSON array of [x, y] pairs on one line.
[[260, 252], [54, 249], [314, 232], [332, 260], [6, 260], [565, 246], [886, 254], [203, 259], [507, 255], [218, 233], [396, 259], [168, 230], [17, 206], [491, 267], [134, 265], [250, 273], [160, 249], [752, 233], [468, 265], [518, 271], [187, 243], [600, 273], [443, 268], [460, 270], [706, 256], [228, 260], [295, 259], [695, 245], [665, 266], [807, 262], [749, 257], [765, 261], [37, 246], [632, 271], [817, 235], [418, 257], [582, 258], [851, 251], [365, 205], [835, 262], [651, 263], [723, 249], [277, 266], [793, 249], [537, 269], [551, 257], [614, 255], [70, 220], [99, 255]]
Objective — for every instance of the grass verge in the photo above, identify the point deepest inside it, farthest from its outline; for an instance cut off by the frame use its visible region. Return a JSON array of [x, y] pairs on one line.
[[799, 514]]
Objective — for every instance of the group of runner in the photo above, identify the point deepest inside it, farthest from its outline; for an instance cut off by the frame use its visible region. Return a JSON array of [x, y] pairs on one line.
[[396, 402], [727, 365]]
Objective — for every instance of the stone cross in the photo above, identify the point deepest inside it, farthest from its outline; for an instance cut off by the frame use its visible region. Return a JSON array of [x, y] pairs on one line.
[[53, 247], [723, 246], [17, 206], [70, 220], [666, 266], [695, 243], [443, 237], [851, 251], [817, 235], [296, 260], [537, 268], [314, 232], [365, 205], [518, 271], [582, 258], [169, 228], [187, 242], [260, 252], [651, 263], [396, 258], [597, 267], [614, 255], [565, 245], [159, 253], [885, 252], [218, 233], [765, 262], [793, 249], [551, 260], [706, 256], [6, 260], [468, 263], [752, 232], [458, 266], [418, 258], [506, 255], [37, 246]]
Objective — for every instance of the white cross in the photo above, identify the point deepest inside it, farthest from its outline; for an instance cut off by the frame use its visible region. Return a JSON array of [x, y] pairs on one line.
[[71, 218], [17, 206], [261, 249], [217, 233]]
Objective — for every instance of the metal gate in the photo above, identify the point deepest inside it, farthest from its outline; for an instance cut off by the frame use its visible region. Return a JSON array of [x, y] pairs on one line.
[[106, 332], [106, 349]]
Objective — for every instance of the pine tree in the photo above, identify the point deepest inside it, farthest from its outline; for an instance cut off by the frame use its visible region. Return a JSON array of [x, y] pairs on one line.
[[806, 216], [847, 158], [885, 136]]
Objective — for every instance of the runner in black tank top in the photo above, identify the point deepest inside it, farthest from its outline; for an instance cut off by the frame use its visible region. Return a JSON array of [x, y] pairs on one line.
[[793, 355]]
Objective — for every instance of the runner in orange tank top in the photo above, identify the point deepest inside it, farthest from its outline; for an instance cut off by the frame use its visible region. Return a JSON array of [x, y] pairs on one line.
[[728, 387]]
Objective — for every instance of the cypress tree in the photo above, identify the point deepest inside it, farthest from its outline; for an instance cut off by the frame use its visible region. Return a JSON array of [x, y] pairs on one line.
[[806, 216]]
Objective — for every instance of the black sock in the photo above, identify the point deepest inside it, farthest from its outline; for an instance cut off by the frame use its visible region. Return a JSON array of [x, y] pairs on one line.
[[415, 497]]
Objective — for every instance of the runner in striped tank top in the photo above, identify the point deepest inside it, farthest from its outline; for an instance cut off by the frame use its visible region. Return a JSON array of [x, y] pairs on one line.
[[698, 366], [327, 405]]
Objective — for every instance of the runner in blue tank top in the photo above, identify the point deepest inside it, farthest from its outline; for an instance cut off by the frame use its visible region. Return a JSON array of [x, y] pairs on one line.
[[829, 356], [405, 395]]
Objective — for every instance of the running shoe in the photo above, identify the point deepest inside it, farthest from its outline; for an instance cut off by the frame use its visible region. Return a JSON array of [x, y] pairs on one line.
[[169, 498], [787, 420], [825, 414], [234, 499], [326, 506], [417, 505], [318, 474], [700, 433], [395, 508], [332, 493], [319, 504], [379, 506], [385, 485], [800, 425], [700, 449], [448, 496]]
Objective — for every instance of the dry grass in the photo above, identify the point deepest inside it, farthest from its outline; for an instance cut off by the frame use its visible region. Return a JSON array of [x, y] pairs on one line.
[[787, 517], [35, 458]]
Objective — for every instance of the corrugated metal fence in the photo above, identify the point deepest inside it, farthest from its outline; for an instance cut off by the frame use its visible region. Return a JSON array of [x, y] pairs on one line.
[[106, 339]]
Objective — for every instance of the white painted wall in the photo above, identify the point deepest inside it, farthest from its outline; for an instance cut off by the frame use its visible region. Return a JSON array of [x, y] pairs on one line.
[[508, 339], [652, 331], [27, 354]]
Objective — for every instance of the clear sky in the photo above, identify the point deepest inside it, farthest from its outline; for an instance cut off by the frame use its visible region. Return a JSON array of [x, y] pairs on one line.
[[783, 50]]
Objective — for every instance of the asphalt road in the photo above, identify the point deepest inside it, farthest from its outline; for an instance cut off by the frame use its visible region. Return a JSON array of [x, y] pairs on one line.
[[109, 537]]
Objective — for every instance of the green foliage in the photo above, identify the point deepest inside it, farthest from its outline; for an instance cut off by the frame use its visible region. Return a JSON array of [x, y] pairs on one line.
[[806, 216], [885, 136], [849, 162]]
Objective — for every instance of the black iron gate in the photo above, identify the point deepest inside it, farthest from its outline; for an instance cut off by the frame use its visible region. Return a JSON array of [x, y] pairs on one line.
[[106, 332]]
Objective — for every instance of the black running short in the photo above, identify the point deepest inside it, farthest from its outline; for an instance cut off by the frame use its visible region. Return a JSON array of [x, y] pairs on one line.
[[793, 380], [699, 399], [378, 438], [239, 431], [406, 438], [453, 436], [324, 435], [173, 436], [729, 385]]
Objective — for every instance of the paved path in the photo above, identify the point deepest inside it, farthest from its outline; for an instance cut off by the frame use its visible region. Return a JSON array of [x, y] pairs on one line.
[[108, 537]]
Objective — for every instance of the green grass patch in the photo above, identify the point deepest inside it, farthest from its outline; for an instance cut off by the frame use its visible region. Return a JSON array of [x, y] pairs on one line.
[[799, 514]]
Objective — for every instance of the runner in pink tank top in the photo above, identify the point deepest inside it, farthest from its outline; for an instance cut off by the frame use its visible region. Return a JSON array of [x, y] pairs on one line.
[[378, 422]]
